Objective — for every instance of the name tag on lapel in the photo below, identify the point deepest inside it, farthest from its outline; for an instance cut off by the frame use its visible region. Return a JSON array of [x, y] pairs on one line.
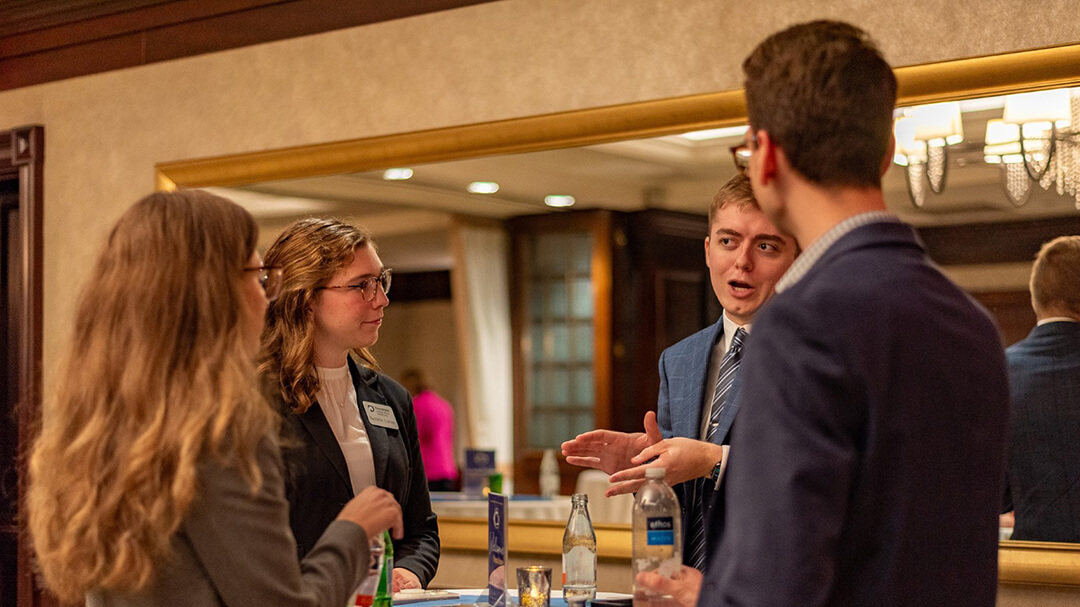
[[380, 415]]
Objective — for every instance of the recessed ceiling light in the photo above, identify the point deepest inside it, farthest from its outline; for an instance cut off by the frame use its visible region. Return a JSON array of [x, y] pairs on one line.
[[728, 131], [559, 201], [483, 187], [400, 174]]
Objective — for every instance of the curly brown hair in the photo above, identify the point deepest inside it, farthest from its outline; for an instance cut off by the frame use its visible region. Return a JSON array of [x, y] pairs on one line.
[[310, 252], [158, 376]]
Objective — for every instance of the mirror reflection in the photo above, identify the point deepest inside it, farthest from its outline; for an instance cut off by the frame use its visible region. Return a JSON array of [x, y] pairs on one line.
[[606, 270]]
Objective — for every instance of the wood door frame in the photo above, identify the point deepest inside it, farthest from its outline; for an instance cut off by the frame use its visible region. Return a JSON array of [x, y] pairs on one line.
[[22, 157]]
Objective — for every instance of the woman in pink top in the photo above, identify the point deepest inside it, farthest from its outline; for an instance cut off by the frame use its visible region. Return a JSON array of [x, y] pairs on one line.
[[435, 424]]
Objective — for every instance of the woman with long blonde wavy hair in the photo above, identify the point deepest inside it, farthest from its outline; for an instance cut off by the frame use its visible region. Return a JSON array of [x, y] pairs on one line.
[[157, 479], [319, 371]]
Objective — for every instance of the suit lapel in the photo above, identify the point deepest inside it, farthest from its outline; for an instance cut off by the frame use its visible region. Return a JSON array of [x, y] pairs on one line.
[[698, 372], [316, 425], [366, 384]]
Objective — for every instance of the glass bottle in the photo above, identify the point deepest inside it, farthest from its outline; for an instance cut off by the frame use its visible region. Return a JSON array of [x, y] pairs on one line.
[[365, 594], [579, 553], [549, 474], [384, 596]]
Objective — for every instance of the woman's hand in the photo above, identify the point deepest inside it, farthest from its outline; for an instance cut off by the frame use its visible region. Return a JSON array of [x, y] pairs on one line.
[[404, 579], [375, 510]]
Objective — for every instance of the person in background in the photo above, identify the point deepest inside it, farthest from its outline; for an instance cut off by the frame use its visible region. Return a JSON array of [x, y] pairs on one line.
[[435, 424], [868, 461], [157, 477], [347, 425], [1043, 480], [697, 404]]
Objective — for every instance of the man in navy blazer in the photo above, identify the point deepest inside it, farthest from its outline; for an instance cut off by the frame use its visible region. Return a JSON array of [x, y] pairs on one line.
[[867, 464], [1043, 487], [746, 256]]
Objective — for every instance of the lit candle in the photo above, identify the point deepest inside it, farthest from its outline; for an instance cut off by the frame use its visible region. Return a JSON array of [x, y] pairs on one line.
[[533, 598]]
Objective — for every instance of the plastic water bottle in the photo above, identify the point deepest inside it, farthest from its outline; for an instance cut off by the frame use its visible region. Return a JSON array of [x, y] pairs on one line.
[[365, 594], [384, 596], [549, 474], [657, 535], [579, 553]]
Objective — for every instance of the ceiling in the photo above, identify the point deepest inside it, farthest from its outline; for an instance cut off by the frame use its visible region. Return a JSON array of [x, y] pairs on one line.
[[671, 172]]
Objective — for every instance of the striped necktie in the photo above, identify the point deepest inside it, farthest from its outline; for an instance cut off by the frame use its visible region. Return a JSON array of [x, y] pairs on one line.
[[695, 542]]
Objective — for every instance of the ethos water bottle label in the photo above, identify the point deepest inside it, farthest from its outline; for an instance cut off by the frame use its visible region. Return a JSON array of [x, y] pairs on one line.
[[660, 531]]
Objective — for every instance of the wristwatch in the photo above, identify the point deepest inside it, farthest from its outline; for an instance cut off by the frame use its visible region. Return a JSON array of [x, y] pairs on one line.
[[715, 474]]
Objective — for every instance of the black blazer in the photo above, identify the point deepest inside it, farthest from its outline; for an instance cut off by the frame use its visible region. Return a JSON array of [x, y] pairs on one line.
[[318, 484]]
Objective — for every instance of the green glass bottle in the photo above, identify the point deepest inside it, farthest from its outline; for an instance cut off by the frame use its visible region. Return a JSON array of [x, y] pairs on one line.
[[384, 596]]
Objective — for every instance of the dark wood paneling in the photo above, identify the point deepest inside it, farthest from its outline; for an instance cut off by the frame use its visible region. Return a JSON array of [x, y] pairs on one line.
[[420, 286], [126, 34], [21, 16], [21, 160], [1013, 312], [664, 295], [998, 242], [10, 285]]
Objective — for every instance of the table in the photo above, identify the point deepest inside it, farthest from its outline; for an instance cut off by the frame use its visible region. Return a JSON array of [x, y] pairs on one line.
[[521, 507], [470, 596]]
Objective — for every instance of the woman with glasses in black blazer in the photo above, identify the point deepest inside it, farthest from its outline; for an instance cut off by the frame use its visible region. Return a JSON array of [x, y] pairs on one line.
[[347, 426]]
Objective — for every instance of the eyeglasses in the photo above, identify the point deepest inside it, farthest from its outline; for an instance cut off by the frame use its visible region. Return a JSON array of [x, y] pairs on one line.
[[270, 277], [741, 153], [366, 286]]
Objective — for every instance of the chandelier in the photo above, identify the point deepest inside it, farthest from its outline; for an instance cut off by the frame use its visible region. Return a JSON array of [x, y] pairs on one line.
[[923, 136], [1034, 141]]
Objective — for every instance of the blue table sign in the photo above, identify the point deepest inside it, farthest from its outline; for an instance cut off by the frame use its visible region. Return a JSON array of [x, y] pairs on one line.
[[479, 464], [497, 573]]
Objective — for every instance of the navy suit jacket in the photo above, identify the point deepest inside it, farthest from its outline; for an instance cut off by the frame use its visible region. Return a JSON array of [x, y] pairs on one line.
[[317, 477], [1044, 440], [867, 465], [684, 370]]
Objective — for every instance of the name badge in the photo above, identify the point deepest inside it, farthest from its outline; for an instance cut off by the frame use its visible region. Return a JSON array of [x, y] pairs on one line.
[[380, 415]]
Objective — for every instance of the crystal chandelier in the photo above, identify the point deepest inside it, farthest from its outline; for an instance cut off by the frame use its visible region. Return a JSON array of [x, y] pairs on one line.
[[1035, 142], [923, 135]]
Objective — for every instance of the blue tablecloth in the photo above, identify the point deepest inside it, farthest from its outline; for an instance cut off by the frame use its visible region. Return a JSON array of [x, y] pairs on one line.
[[474, 596]]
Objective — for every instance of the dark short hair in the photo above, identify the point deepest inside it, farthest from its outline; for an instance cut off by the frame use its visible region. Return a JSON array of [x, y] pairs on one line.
[[1055, 277], [825, 95], [736, 191]]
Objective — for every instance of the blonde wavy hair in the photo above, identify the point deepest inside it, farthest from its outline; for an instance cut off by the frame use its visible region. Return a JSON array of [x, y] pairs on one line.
[[157, 378], [310, 252]]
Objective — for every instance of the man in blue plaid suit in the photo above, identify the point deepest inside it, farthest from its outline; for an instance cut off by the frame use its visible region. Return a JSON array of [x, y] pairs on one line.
[[688, 436]]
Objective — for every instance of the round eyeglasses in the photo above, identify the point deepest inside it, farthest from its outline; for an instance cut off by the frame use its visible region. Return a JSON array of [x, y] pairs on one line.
[[366, 286], [271, 279]]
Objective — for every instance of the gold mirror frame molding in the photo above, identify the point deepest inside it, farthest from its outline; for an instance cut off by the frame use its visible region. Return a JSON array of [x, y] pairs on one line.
[[1019, 562], [960, 79]]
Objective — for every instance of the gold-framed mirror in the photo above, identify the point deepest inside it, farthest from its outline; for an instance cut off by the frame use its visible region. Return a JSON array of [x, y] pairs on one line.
[[1020, 562]]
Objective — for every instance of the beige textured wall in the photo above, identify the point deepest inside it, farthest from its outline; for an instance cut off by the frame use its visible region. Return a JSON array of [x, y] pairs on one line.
[[506, 59], [104, 133]]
